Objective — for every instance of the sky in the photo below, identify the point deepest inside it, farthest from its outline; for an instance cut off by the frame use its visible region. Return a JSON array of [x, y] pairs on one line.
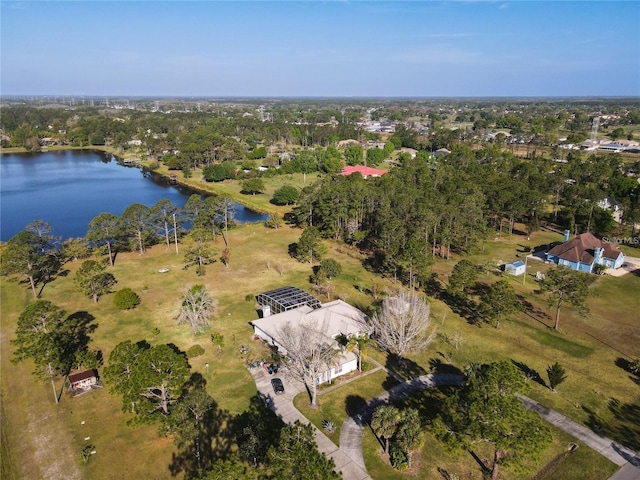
[[320, 49]]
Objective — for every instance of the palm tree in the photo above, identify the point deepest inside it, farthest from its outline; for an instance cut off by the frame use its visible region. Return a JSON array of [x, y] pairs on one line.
[[359, 342], [385, 422], [196, 308]]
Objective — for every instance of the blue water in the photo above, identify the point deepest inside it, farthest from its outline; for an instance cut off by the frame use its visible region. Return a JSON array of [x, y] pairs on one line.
[[67, 189]]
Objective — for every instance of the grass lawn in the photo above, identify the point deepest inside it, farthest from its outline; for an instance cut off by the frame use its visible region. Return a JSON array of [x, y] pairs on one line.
[[590, 348], [337, 404], [260, 202]]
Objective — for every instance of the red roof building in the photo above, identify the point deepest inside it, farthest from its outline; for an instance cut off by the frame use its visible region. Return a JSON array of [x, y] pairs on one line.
[[362, 170]]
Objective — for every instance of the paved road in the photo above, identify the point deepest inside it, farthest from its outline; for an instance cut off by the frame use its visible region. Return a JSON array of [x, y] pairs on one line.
[[619, 454]]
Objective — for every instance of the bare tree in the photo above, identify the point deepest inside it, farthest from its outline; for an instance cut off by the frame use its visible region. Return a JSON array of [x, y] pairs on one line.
[[403, 324], [196, 308], [311, 351]]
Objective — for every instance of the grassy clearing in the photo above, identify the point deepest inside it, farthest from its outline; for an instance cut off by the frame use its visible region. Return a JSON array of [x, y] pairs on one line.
[[260, 202], [589, 347]]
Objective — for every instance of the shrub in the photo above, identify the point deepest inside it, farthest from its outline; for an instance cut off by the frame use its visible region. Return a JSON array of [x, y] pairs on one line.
[[126, 299], [286, 195], [329, 426], [397, 457], [331, 267], [195, 351]]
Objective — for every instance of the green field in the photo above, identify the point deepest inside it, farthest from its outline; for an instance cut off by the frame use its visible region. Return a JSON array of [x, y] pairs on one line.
[[52, 436]]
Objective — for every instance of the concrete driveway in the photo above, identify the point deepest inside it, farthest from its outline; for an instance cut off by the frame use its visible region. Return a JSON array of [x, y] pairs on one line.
[[282, 405]]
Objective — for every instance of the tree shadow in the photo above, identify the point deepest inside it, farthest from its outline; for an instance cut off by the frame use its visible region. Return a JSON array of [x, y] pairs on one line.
[[534, 313], [354, 405], [627, 431], [486, 470], [255, 430], [464, 307], [433, 287], [442, 366], [624, 428], [403, 367], [626, 365], [529, 372], [479, 289], [292, 249], [206, 441]]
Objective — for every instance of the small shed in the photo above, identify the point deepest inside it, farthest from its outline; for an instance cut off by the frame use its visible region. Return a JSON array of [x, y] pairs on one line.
[[83, 381], [515, 268]]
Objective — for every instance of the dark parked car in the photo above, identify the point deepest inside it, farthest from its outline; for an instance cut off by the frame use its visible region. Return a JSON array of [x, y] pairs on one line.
[[273, 368], [277, 385]]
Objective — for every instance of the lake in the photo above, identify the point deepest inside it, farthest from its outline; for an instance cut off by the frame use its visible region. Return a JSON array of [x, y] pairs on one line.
[[68, 188]]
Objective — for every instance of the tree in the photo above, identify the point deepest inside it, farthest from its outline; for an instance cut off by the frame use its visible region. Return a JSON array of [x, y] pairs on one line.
[[37, 339], [274, 221], [310, 354], [191, 418], [76, 249], [196, 308], [218, 340], [150, 379], [353, 155], [105, 230], [285, 195], [23, 255], [564, 284], [403, 324], [218, 172], [167, 218], [330, 267], [500, 302], [332, 160], [356, 342], [232, 467], [617, 133], [226, 210], [384, 423], [296, 456], [486, 410], [52, 340], [556, 375], [93, 281], [310, 245], [375, 156], [136, 220], [410, 435], [126, 299], [253, 186], [388, 149], [198, 252], [462, 278]]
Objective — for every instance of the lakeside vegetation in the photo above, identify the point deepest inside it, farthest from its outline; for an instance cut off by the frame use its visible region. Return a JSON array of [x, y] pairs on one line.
[[408, 229]]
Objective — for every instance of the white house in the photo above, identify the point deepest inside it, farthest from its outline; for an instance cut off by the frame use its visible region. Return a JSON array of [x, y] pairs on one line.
[[613, 207], [83, 382], [334, 318]]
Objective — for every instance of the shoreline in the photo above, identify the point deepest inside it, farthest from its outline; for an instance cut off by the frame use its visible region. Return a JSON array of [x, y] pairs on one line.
[[206, 188]]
